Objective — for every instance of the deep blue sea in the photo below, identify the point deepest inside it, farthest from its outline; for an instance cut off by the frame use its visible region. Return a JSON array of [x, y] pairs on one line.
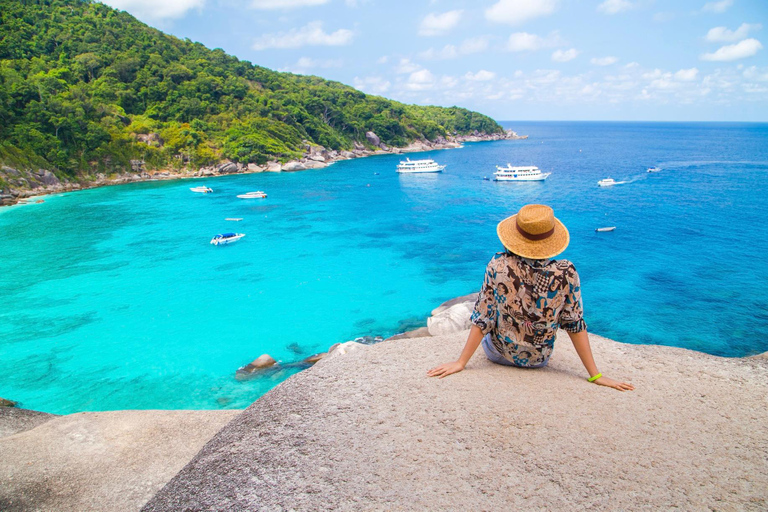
[[113, 298]]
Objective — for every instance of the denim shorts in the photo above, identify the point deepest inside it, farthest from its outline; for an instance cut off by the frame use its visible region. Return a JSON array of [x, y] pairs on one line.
[[493, 355]]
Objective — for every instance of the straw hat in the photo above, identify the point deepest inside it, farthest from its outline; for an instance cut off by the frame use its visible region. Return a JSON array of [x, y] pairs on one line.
[[534, 233]]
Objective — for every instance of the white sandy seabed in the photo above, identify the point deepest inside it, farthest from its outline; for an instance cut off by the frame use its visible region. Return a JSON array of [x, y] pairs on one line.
[[368, 430]]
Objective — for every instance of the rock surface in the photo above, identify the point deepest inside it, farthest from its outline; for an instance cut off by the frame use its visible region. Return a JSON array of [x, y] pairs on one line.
[[103, 461], [377, 434], [452, 319], [14, 420]]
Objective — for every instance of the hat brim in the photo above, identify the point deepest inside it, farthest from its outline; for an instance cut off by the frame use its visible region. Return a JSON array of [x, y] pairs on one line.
[[516, 243]]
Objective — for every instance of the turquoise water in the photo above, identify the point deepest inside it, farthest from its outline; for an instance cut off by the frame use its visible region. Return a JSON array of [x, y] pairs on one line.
[[113, 298]]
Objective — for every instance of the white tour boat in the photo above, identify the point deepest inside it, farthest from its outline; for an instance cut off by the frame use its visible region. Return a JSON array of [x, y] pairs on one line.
[[523, 173], [609, 182], [226, 238], [202, 190], [413, 166], [607, 228], [653, 169], [253, 195]]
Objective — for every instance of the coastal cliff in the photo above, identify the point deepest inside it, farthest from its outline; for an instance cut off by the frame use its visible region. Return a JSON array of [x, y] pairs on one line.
[[368, 430]]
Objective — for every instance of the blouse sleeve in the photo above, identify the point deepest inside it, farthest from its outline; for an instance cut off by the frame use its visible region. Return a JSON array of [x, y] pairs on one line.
[[572, 315], [484, 314]]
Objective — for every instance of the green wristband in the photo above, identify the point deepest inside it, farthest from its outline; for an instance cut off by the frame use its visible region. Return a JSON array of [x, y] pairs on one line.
[[593, 379]]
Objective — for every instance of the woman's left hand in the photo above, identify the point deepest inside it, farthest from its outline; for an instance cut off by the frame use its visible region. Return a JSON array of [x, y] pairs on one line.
[[621, 386], [445, 370]]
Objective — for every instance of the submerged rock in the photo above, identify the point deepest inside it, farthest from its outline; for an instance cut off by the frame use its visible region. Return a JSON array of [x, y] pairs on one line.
[[255, 367], [7, 403], [314, 358]]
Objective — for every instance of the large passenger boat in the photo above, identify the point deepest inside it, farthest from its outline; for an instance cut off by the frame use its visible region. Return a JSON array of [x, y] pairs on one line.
[[413, 166], [523, 173]]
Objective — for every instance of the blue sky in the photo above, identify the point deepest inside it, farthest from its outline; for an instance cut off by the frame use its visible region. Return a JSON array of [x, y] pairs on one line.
[[683, 60]]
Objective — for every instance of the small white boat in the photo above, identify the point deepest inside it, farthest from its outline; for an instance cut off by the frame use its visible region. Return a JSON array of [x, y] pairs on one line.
[[609, 182], [653, 169], [234, 219], [226, 238], [201, 190], [253, 195], [523, 173], [607, 228], [415, 166]]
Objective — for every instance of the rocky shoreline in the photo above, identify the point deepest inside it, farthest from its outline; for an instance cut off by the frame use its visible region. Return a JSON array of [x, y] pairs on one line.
[[25, 185], [357, 430]]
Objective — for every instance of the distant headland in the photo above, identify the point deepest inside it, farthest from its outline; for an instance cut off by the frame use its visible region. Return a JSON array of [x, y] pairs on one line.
[[90, 96]]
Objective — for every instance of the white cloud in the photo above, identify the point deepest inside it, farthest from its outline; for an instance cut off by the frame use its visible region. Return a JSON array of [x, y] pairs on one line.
[[305, 64], [663, 17], [480, 76], [723, 35], [564, 56], [752, 73], [745, 48], [614, 6], [603, 61], [448, 82], [283, 4], [439, 24], [372, 84], [720, 6], [515, 12], [449, 51], [631, 65], [382, 60], [686, 75], [474, 45], [311, 34], [151, 9], [523, 41], [406, 66], [420, 80]]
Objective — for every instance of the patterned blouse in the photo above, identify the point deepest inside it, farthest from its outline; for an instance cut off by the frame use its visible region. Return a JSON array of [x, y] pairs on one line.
[[522, 303]]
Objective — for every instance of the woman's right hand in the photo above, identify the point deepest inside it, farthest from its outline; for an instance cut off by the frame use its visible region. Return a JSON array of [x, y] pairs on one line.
[[621, 386], [445, 370]]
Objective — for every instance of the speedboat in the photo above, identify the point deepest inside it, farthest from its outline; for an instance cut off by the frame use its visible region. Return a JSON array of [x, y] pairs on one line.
[[226, 238], [653, 169], [607, 228], [414, 166], [609, 182], [202, 190], [253, 195], [524, 173], [234, 219]]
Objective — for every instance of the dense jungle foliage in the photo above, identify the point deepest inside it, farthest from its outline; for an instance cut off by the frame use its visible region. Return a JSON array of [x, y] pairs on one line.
[[82, 84]]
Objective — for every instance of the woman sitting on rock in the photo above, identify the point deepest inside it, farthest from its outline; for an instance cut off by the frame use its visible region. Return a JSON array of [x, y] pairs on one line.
[[526, 296]]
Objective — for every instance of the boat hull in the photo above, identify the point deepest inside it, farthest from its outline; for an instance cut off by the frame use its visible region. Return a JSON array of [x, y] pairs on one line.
[[420, 171], [226, 241], [540, 177]]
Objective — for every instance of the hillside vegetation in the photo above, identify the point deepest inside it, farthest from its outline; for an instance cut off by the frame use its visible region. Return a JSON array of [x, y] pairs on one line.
[[86, 88]]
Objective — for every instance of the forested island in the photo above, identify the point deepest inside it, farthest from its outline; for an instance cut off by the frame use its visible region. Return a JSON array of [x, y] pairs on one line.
[[88, 90]]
